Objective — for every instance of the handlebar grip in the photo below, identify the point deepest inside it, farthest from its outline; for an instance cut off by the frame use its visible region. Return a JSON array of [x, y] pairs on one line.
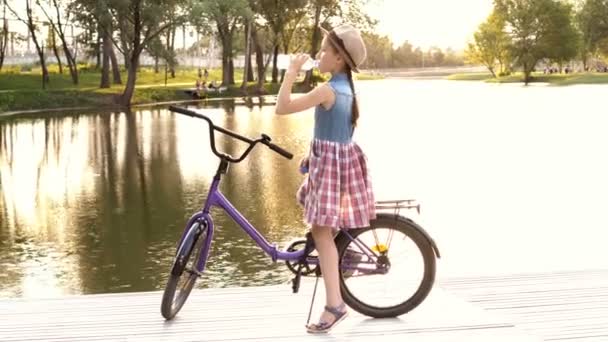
[[179, 110], [280, 151], [188, 112]]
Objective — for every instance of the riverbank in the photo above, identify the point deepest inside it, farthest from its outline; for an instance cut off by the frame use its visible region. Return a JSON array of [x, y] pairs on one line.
[[554, 79], [20, 90]]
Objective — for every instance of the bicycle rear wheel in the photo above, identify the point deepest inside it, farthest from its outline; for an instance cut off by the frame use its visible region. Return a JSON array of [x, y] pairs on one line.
[[388, 269], [184, 270]]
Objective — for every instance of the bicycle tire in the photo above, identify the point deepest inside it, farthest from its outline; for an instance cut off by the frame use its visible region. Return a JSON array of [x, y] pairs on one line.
[[172, 303], [409, 229]]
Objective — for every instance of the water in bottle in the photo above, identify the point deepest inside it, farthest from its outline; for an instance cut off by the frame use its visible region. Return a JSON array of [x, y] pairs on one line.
[[283, 62]]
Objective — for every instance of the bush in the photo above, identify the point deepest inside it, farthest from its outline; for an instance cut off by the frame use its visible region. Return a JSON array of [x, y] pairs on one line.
[[11, 69], [26, 68]]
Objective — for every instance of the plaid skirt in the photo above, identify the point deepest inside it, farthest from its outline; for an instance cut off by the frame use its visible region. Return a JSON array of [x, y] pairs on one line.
[[337, 192]]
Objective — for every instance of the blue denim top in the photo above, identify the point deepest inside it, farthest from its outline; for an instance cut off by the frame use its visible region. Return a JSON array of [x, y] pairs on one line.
[[335, 124]]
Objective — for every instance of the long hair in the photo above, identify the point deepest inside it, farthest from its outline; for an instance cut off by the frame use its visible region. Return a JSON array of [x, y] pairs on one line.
[[334, 39]]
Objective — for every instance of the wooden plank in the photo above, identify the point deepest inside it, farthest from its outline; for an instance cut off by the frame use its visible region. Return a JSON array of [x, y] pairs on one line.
[[555, 306], [255, 313]]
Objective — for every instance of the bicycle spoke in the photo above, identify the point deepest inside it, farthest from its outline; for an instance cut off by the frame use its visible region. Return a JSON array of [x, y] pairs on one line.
[[389, 240], [376, 237], [376, 280]]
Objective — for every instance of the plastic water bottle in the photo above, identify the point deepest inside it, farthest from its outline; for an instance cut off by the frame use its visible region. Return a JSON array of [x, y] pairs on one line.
[[283, 62]]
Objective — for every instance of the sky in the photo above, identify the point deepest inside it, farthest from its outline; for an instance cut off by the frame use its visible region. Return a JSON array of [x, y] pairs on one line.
[[424, 23]]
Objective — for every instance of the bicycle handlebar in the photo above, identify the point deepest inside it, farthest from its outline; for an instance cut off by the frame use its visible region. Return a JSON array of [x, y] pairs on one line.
[[264, 140]]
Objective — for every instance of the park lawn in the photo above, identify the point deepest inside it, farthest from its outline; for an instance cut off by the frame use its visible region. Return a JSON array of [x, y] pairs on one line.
[[555, 79], [11, 78], [21, 89], [471, 76]]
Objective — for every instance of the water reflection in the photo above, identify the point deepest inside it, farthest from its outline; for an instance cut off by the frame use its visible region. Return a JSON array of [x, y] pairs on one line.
[[95, 203]]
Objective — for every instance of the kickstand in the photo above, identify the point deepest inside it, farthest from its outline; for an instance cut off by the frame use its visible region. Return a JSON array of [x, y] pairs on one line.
[[314, 292]]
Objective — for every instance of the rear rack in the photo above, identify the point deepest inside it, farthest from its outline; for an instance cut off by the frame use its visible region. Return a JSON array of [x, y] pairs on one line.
[[397, 205]]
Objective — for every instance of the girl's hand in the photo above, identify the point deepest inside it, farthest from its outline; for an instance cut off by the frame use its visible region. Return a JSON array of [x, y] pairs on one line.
[[304, 165], [297, 61]]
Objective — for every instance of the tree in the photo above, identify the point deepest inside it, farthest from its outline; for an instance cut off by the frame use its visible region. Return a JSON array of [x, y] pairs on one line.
[[58, 28], [592, 22], [325, 12], [4, 33], [247, 70], [536, 29], [94, 16], [52, 42], [491, 44], [139, 23], [32, 28], [437, 57], [564, 40], [283, 18], [379, 50], [226, 14]]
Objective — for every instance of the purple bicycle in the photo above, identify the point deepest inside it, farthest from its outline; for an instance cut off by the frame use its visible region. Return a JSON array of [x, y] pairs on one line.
[[386, 269]]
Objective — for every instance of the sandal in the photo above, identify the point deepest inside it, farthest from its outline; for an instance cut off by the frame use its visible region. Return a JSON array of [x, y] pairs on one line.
[[339, 313]]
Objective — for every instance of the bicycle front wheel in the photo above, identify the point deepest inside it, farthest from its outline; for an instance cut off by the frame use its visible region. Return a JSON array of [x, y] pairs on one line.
[[184, 271], [388, 269]]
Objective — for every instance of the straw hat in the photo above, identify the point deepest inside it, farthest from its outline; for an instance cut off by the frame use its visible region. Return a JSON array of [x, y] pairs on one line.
[[347, 40]]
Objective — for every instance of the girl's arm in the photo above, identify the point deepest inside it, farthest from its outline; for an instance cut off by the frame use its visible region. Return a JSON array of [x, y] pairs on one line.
[[320, 95]]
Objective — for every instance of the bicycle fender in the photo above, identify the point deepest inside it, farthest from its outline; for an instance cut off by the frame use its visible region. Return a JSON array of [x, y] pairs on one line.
[[341, 235]]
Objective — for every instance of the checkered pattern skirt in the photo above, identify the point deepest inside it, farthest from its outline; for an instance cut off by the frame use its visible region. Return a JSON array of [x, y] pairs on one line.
[[337, 192]]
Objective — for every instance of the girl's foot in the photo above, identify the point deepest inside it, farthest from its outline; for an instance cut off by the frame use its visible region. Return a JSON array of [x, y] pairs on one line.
[[329, 319]]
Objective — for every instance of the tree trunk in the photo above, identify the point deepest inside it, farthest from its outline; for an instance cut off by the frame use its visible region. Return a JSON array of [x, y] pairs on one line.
[[105, 65], [56, 52], [527, 73], [491, 69], [57, 28], [71, 63], [227, 72], [116, 79], [585, 60], [259, 60], [40, 51], [247, 70], [4, 41], [231, 70], [156, 70], [275, 70], [172, 52], [98, 51], [127, 95], [125, 52], [314, 47], [250, 77]]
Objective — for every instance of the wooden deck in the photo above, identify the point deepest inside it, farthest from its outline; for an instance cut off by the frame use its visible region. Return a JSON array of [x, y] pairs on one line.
[[554, 306], [528, 307]]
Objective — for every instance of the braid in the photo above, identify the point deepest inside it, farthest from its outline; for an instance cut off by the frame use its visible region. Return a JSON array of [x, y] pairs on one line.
[[337, 45], [355, 108]]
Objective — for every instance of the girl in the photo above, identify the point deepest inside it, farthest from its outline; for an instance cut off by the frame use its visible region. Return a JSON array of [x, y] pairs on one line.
[[337, 192]]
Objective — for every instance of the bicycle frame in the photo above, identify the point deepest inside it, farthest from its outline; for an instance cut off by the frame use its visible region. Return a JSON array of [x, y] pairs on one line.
[[216, 199]]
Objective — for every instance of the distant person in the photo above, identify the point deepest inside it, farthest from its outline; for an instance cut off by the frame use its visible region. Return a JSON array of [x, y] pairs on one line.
[[198, 85]]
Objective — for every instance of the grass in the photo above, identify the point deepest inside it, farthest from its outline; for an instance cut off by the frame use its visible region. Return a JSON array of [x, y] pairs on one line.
[[21, 88], [555, 79]]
